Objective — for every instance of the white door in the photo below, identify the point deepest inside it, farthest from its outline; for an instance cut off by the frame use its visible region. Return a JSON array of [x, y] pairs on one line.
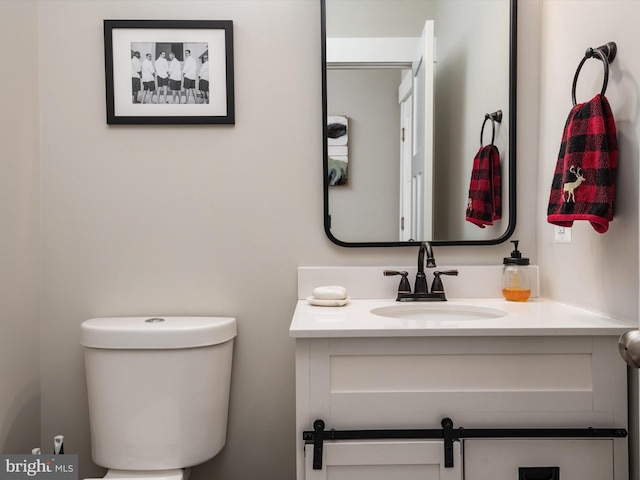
[[422, 161], [405, 98], [384, 460]]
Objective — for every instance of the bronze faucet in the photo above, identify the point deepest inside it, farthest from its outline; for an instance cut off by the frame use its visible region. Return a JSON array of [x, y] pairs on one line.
[[421, 278], [420, 290]]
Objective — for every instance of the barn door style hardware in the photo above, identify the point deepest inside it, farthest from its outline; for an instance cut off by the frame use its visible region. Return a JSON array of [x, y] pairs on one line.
[[448, 434]]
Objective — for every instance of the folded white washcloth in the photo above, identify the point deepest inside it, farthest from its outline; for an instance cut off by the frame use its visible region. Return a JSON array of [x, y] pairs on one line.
[[330, 292]]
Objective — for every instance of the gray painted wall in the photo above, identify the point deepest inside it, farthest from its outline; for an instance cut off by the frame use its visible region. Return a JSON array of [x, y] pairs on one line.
[[215, 220], [368, 208], [378, 18], [468, 63], [595, 271], [20, 231]]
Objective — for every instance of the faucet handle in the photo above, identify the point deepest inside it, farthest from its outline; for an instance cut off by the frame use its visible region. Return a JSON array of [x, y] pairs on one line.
[[405, 286], [437, 286]]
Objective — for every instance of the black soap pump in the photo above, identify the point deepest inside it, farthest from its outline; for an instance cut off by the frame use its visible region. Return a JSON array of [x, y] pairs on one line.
[[516, 285]]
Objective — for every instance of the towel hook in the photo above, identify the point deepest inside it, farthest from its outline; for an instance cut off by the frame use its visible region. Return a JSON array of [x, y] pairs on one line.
[[606, 53], [494, 117]]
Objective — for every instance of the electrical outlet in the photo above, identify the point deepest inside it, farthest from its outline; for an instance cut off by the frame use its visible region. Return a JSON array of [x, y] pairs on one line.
[[562, 234]]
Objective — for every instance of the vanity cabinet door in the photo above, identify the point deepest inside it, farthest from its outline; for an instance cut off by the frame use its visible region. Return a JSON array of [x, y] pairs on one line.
[[580, 459], [383, 460]]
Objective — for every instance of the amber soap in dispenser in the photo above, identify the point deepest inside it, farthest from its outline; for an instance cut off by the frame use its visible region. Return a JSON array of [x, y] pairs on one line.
[[516, 286]]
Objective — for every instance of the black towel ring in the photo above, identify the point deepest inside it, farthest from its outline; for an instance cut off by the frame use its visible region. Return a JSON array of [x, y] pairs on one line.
[[494, 117], [606, 53]]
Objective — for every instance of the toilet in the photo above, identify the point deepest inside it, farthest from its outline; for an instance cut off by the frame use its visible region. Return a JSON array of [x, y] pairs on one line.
[[158, 392]]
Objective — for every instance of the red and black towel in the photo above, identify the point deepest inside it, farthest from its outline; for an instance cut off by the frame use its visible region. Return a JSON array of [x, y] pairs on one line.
[[485, 193], [583, 184]]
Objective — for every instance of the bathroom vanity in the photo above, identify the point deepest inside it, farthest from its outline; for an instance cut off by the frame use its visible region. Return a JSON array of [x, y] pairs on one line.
[[493, 368]]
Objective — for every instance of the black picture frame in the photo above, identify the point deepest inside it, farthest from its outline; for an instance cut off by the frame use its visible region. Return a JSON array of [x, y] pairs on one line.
[[213, 102]]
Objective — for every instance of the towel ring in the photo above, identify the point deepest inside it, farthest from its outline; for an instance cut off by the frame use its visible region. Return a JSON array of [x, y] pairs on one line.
[[606, 53], [494, 117]]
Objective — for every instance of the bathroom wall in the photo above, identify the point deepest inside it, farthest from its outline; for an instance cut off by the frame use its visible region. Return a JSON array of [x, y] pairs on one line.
[[19, 230], [595, 271], [377, 18], [470, 82], [142, 220], [367, 208], [192, 220]]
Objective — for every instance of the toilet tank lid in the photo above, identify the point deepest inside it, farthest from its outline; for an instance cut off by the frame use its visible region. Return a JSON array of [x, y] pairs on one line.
[[156, 332]]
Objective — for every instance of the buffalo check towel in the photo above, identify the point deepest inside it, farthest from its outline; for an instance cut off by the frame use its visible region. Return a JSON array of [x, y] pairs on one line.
[[583, 184], [485, 195]]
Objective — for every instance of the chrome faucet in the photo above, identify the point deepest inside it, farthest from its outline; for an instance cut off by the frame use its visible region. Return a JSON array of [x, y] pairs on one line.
[[421, 278]]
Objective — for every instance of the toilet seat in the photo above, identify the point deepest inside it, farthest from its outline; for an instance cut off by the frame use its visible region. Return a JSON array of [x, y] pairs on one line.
[[176, 474]]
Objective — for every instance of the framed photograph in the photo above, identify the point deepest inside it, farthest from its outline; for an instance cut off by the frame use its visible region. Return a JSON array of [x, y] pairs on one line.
[[169, 71], [338, 149]]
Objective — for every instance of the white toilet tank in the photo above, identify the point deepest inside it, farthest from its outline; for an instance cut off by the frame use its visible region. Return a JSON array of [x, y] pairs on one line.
[[158, 389]]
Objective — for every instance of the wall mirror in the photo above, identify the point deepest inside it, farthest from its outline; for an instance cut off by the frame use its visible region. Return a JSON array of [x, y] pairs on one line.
[[419, 96]]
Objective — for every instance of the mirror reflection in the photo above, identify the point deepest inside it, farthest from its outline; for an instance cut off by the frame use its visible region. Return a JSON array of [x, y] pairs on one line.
[[410, 87]]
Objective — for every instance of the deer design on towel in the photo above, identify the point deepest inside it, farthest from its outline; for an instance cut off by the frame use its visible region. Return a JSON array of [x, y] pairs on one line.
[[570, 187]]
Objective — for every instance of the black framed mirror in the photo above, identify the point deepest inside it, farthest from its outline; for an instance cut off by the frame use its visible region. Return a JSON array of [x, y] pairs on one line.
[[420, 141]]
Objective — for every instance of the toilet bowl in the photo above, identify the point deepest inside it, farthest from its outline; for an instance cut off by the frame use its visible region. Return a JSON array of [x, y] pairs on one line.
[[158, 392], [176, 474]]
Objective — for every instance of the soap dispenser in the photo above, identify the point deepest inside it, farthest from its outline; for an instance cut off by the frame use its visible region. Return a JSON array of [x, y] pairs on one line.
[[516, 285]]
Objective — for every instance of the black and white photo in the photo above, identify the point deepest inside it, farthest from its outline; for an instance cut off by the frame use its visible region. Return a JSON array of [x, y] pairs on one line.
[[169, 72]]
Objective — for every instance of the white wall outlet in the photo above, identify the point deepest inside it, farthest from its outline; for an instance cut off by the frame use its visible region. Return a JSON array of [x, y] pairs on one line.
[[562, 234]]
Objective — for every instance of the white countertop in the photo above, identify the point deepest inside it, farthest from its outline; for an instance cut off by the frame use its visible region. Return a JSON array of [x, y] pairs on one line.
[[537, 317]]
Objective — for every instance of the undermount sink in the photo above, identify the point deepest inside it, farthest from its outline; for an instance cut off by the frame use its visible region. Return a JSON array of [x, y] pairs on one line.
[[439, 312]]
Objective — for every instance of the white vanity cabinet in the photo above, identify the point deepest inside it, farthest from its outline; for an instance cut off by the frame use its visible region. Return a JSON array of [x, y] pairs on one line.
[[383, 460], [583, 459], [479, 381]]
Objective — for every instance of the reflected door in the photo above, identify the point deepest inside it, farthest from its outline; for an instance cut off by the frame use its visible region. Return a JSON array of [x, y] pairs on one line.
[[405, 98], [422, 158]]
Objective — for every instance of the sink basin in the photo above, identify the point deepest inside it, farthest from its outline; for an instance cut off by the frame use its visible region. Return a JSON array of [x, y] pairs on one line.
[[439, 312]]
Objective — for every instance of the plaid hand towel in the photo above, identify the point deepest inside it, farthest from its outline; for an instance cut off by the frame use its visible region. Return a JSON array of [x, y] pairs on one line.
[[485, 193], [583, 184]]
